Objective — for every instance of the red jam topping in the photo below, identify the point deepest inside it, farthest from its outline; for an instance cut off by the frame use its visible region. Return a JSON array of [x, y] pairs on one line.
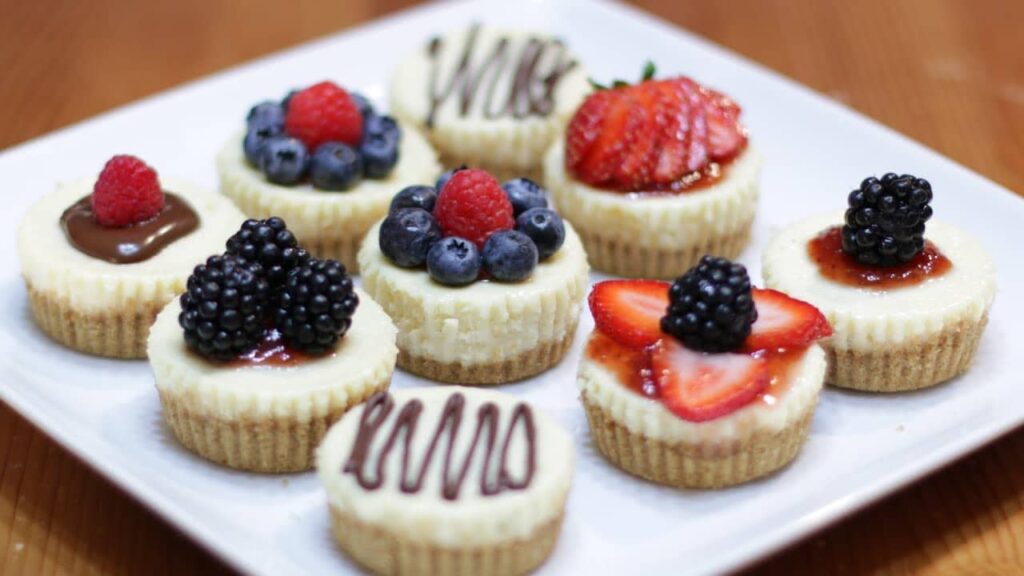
[[272, 351], [632, 368], [826, 250]]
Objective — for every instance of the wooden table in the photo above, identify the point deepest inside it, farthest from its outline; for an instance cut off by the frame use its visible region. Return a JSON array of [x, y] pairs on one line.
[[945, 72]]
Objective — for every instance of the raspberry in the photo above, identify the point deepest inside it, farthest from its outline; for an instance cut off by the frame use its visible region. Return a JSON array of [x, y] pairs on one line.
[[324, 112], [473, 206], [127, 192]]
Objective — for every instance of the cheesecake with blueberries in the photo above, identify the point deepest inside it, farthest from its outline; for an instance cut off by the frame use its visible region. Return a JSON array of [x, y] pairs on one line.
[[654, 175], [266, 348], [326, 161], [484, 282], [705, 382], [908, 296], [101, 256]]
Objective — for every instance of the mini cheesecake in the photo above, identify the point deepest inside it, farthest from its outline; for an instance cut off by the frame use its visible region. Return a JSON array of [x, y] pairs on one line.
[[488, 97], [477, 488], [483, 289], [704, 383], [329, 203], [267, 410], [654, 176], [903, 328], [96, 288]]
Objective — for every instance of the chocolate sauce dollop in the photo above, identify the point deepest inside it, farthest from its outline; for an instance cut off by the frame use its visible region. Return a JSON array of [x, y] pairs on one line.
[[129, 244]]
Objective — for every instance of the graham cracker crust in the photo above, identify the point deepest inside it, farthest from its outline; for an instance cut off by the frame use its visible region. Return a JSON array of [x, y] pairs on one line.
[[120, 333], [685, 465], [631, 260], [271, 445], [523, 365], [383, 552], [913, 366]]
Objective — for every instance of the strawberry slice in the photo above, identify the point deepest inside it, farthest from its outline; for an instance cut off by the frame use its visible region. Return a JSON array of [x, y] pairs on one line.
[[698, 387], [629, 311], [726, 137], [784, 322]]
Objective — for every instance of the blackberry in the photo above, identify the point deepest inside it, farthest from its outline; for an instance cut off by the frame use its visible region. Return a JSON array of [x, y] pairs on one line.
[[270, 244], [711, 307], [316, 305], [886, 218], [223, 308]]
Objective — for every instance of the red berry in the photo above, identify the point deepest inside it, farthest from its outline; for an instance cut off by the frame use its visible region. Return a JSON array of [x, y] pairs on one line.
[[629, 311], [651, 135], [784, 322], [324, 112], [127, 192], [473, 206], [698, 387]]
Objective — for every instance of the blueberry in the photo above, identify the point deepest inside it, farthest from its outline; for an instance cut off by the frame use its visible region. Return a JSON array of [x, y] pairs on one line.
[[363, 103], [284, 160], [414, 197], [454, 261], [255, 140], [335, 166], [444, 178], [407, 235], [510, 256], [379, 147], [545, 227], [266, 115], [524, 194]]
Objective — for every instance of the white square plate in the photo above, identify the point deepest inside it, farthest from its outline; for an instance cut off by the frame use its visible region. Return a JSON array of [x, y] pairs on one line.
[[861, 447]]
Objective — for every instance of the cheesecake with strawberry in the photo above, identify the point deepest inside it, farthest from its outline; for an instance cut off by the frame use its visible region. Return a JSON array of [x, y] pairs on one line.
[[702, 383], [327, 162], [102, 255], [654, 175], [908, 296], [484, 282]]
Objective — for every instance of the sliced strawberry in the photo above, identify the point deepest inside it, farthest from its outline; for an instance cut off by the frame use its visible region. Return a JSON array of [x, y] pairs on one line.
[[698, 387], [652, 135], [629, 311], [784, 322]]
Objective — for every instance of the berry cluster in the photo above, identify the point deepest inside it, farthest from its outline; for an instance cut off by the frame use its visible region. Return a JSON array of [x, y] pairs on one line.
[[323, 134], [265, 280], [886, 218], [711, 307], [470, 223]]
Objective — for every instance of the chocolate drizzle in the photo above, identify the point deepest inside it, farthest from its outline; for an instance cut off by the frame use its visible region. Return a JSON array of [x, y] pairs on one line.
[[376, 413], [532, 89], [129, 244]]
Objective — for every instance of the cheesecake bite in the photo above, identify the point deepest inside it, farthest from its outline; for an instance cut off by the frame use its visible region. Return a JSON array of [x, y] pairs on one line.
[[101, 256], [702, 383], [326, 161], [908, 296]]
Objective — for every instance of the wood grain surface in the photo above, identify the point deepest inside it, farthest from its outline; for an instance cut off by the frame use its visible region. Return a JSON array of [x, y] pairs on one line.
[[946, 72]]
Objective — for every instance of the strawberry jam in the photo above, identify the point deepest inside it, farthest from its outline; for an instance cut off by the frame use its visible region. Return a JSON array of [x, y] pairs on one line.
[[632, 367], [826, 250], [272, 351]]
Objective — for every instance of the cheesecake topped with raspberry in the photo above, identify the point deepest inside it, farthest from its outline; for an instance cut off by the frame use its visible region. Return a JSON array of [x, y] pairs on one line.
[[704, 382], [908, 294], [327, 161], [654, 175], [102, 255], [484, 281], [265, 349]]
